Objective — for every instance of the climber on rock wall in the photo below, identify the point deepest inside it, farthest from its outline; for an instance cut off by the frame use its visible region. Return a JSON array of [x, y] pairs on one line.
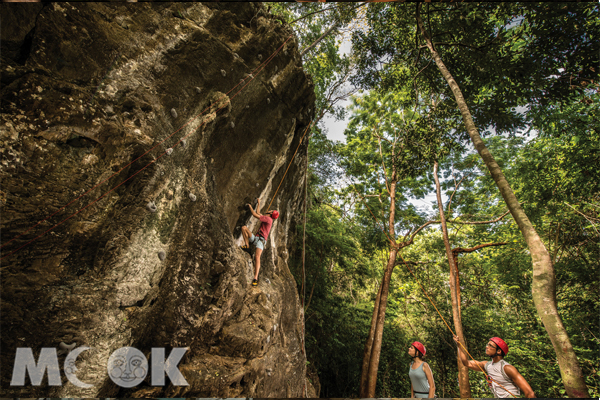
[[259, 241]]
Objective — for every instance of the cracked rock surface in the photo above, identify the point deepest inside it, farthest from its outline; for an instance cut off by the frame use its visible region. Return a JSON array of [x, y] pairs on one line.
[[92, 97]]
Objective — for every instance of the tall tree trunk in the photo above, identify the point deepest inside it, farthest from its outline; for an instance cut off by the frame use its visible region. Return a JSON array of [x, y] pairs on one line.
[[463, 371], [369, 346], [457, 286], [378, 335], [323, 36], [544, 281], [304, 270], [385, 286]]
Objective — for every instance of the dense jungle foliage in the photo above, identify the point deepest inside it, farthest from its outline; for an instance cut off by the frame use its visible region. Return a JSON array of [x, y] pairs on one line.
[[529, 74]]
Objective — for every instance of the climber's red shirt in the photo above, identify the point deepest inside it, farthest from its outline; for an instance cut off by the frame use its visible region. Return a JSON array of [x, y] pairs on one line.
[[265, 226]]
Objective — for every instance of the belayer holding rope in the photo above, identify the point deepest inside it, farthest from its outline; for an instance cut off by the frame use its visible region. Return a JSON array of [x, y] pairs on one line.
[[505, 380], [260, 240], [421, 377]]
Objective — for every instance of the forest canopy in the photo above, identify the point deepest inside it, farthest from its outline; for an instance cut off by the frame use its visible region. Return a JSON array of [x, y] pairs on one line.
[[501, 101]]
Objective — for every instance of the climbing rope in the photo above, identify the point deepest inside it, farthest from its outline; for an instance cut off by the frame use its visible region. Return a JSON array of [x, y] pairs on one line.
[[438, 311], [431, 301], [384, 231], [252, 76], [288, 167], [286, 170]]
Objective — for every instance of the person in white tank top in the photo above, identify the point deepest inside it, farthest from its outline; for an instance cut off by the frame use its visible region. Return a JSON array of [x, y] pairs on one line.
[[505, 380]]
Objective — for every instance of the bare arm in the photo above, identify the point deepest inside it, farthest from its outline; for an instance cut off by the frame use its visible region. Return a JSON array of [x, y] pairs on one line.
[[518, 379], [474, 365], [257, 212], [429, 376], [258, 207]]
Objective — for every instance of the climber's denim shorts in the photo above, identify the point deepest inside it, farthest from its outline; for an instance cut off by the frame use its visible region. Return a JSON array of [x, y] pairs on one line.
[[258, 241]]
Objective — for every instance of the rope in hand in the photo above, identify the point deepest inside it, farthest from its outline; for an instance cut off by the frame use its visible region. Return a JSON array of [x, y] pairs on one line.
[[362, 198], [431, 301], [424, 291], [256, 71], [488, 378]]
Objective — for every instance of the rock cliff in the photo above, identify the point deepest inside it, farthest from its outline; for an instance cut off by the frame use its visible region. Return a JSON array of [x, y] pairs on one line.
[[154, 123]]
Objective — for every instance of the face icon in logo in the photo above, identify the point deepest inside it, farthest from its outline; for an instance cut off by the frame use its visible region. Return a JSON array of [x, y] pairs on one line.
[[117, 366], [127, 367], [137, 367]]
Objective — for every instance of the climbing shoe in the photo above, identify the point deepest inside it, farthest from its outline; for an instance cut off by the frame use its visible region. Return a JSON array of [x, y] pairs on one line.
[[254, 282], [246, 249]]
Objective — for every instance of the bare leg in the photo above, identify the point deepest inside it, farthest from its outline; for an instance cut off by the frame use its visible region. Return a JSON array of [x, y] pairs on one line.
[[257, 262], [246, 234]]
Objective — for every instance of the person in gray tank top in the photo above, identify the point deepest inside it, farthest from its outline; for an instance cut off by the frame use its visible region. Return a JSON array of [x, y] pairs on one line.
[[504, 379], [421, 378]]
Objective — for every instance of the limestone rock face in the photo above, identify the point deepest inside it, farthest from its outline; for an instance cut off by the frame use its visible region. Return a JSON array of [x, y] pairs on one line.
[[143, 130]]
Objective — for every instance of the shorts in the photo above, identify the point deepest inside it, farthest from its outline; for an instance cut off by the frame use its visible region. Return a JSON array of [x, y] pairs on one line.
[[258, 241]]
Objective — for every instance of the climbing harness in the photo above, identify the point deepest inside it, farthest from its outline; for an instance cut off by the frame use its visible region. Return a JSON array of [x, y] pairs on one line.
[[504, 376], [252, 76]]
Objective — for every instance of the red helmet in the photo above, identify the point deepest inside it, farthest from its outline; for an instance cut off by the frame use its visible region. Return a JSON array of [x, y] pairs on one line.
[[500, 343], [275, 214], [419, 346]]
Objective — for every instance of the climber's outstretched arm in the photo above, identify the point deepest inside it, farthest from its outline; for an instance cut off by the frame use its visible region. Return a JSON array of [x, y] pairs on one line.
[[256, 213]]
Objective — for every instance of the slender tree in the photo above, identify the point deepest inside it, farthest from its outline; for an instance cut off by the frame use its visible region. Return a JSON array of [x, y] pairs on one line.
[[463, 371], [369, 346], [544, 282], [506, 56], [388, 142]]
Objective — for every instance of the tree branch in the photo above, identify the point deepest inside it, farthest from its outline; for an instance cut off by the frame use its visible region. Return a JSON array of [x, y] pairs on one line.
[[387, 184], [414, 262], [404, 244], [316, 42], [309, 14], [456, 186], [335, 25], [457, 250], [423, 69], [473, 223], [391, 240], [584, 216]]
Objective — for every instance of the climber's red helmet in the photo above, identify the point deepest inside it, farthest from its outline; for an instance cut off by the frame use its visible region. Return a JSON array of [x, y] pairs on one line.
[[419, 346], [501, 344], [274, 214]]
